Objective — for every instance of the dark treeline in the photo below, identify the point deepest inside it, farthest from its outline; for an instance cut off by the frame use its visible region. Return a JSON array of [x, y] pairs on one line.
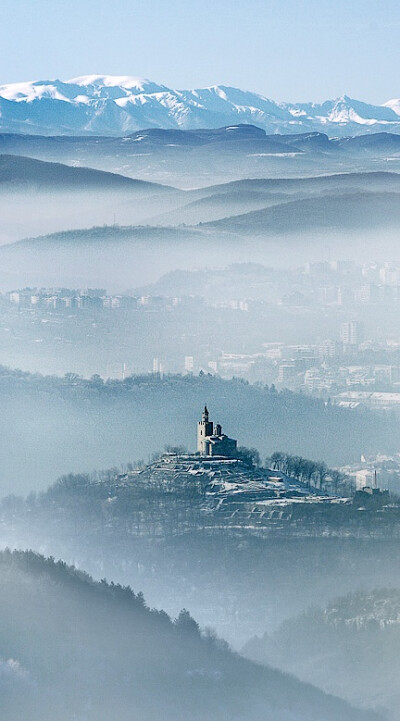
[[136, 500], [313, 473], [74, 648], [145, 531]]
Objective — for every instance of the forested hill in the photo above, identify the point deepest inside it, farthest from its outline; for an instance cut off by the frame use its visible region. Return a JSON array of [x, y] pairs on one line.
[[72, 648], [361, 635], [17, 171], [51, 426]]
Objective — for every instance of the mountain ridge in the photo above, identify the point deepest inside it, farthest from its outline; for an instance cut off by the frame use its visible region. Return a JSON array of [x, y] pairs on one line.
[[118, 105]]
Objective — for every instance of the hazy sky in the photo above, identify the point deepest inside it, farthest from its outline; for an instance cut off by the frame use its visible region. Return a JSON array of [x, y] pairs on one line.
[[285, 49]]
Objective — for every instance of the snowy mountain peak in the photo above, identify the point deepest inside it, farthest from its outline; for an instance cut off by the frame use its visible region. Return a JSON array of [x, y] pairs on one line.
[[121, 104], [31, 90], [393, 105], [127, 82]]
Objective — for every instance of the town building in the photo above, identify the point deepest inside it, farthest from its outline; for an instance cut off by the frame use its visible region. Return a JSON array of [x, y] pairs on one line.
[[351, 333]]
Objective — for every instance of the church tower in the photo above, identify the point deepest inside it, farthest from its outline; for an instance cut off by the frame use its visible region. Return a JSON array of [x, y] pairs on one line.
[[210, 439], [204, 429]]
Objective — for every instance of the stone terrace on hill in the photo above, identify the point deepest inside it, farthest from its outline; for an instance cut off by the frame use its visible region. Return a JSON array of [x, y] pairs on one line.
[[230, 492]]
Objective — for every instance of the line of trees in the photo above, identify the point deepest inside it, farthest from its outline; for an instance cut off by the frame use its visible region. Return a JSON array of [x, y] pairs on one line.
[[313, 473]]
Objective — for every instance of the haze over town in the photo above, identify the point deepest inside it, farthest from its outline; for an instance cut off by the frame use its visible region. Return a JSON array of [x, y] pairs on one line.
[[199, 361]]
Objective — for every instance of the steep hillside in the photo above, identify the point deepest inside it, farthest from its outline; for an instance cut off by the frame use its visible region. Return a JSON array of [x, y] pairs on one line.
[[72, 648], [218, 550], [350, 647]]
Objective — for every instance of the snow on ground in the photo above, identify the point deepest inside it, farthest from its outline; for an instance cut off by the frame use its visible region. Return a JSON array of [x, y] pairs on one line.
[[138, 101]]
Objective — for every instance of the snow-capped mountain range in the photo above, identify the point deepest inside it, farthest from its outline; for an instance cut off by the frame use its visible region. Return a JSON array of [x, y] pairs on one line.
[[119, 105]]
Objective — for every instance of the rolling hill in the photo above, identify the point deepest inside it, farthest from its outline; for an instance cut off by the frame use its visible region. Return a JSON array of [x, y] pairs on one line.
[[108, 256], [339, 212], [198, 157], [38, 197], [17, 171], [281, 219], [349, 181], [250, 194]]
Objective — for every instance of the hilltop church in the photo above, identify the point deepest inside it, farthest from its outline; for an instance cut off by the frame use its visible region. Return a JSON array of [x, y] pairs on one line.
[[210, 439]]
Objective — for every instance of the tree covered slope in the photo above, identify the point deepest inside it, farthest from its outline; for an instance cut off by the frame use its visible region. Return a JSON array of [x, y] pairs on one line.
[[349, 647], [72, 648]]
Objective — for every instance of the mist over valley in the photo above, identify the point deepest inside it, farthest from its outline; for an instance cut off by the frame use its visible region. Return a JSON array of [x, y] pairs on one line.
[[163, 253]]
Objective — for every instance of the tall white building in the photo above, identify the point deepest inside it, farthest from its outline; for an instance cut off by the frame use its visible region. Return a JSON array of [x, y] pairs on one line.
[[352, 333], [189, 364]]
